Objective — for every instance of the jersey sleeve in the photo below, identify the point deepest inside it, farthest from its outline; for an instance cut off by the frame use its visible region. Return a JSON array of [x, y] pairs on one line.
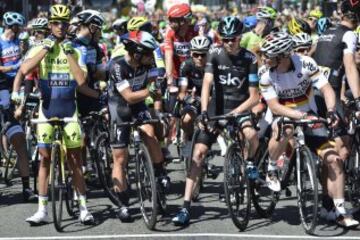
[[318, 80], [183, 76], [211, 59], [116, 77], [266, 87], [81, 58], [350, 41], [253, 71], [244, 40]]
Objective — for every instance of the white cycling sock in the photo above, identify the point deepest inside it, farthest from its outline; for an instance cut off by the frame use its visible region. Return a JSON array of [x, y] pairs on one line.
[[82, 203], [340, 206], [43, 202]]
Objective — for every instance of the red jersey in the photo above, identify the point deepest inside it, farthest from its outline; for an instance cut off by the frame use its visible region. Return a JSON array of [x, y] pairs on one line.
[[179, 45]]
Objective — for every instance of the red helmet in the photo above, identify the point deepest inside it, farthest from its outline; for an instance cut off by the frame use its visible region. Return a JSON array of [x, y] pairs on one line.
[[181, 10]]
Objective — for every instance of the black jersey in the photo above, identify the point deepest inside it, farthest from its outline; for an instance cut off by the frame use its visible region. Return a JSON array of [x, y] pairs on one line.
[[330, 50], [191, 76], [233, 75]]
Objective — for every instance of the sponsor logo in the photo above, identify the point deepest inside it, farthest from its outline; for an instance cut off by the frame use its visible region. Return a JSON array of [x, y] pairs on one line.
[[223, 67], [309, 65], [231, 81], [59, 80], [57, 61]]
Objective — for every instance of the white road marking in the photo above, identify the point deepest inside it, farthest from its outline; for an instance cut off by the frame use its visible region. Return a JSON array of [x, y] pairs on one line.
[[182, 235]]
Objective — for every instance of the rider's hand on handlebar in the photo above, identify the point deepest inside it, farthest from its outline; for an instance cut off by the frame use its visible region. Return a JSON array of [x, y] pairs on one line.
[[332, 118], [203, 120], [16, 97], [313, 125]]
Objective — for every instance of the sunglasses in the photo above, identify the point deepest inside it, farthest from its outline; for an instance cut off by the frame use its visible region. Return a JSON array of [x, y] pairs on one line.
[[227, 40], [40, 32], [177, 20], [197, 55], [60, 23], [302, 50], [312, 18]]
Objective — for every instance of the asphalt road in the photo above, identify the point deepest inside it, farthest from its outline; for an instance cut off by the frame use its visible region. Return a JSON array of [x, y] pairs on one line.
[[209, 217]]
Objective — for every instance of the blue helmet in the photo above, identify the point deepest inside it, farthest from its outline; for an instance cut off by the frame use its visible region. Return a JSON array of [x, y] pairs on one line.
[[250, 21], [230, 27], [322, 25]]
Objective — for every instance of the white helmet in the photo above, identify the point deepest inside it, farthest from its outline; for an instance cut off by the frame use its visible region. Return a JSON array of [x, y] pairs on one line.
[[40, 23], [302, 40], [12, 18], [200, 44], [277, 43], [119, 23], [91, 17]]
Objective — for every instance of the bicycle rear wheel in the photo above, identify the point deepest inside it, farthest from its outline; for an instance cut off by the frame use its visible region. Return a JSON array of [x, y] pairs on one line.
[[57, 186], [103, 162], [307, 190], [237, 188], [146, 184]]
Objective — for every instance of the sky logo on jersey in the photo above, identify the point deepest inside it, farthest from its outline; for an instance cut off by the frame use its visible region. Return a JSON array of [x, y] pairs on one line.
[[231, 81]]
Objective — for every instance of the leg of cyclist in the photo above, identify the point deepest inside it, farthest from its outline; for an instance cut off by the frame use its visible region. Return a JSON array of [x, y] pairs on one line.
[[150, 140], [251, 136], [202, 145], [276, 148], [335, 185], [187, 124], [41, 216]]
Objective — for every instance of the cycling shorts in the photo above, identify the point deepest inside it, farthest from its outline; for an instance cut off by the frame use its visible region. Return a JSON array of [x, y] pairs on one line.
[[14, 126], [120, 136], [72, 133]]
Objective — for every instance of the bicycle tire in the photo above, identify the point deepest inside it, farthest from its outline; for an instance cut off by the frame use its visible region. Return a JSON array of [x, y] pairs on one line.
[[305, 171], [57, 188], [237, 187], [11, 164], [146, 184], [70, 203], [352, 178], [103, 160], [264, 199]]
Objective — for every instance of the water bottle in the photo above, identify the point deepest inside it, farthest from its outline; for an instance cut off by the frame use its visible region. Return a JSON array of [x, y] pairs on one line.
[[251, 171]]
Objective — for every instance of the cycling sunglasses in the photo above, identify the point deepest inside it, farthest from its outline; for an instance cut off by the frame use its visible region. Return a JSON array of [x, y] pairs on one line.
[[197, 55], [60, 23], [227, 40]]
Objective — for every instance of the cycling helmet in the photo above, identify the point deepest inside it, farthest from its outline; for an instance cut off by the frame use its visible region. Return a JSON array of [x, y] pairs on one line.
[[298, 25], [139, 23], [302, 40], [322, 25], [39, 23], [24, 36], [59, 12], [357, 32], [119, 24], [316, 14], [350, 8], [181, 10], [91, 17], [12, 18], [139, 42], [230, 27], [250, 21], [277, 43], [75, 21], [200, 44], [266, 12]]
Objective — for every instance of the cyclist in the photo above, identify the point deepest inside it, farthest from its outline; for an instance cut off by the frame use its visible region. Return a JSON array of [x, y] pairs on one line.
[[302, 43], [322, 25], [119, 28], [265, 17], [335, 54], [312, 19], [62, 69], [72, 29], [10, 59], [286, 81], [190, 83], [129, 77], [233, 72], [298, 25]]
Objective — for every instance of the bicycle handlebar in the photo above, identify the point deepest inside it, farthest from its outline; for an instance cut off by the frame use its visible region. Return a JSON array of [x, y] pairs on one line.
[[138, 123], [55, 120]]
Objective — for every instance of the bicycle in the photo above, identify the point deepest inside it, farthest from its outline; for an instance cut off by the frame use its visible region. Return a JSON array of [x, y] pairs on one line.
[[151, 198], [60, 177]]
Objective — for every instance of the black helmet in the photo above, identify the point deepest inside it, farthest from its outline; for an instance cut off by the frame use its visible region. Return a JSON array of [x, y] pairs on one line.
[[230, 27]]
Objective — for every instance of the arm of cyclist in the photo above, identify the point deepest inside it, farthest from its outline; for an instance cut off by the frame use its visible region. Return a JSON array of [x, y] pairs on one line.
[[352, 74], [5, 69], [33, 61], [169, 66], [205, 90]]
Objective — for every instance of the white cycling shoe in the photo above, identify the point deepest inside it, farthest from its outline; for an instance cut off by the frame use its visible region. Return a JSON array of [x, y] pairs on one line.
[[40, 217], [86, 218]]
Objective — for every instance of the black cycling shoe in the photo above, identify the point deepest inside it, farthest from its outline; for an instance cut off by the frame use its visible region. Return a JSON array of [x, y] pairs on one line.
[[29, 195], [124, 215]]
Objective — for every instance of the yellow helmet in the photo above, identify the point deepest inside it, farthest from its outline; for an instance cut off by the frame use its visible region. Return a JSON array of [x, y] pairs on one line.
[[298, 25], [316, 14], [139, 23], [59, 12], [357, 32]]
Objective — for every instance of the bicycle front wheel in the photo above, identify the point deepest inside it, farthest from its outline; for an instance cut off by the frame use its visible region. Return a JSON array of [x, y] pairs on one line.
[[237, 187], [57, 185], [146, 185], [307, 189]]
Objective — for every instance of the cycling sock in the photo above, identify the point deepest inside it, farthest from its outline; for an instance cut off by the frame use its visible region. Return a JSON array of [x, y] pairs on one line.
[[272, 165], [82, 203], [327, 202], [43, 202], [123, 198], [340, 206], [187, 205], [25, 182]]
